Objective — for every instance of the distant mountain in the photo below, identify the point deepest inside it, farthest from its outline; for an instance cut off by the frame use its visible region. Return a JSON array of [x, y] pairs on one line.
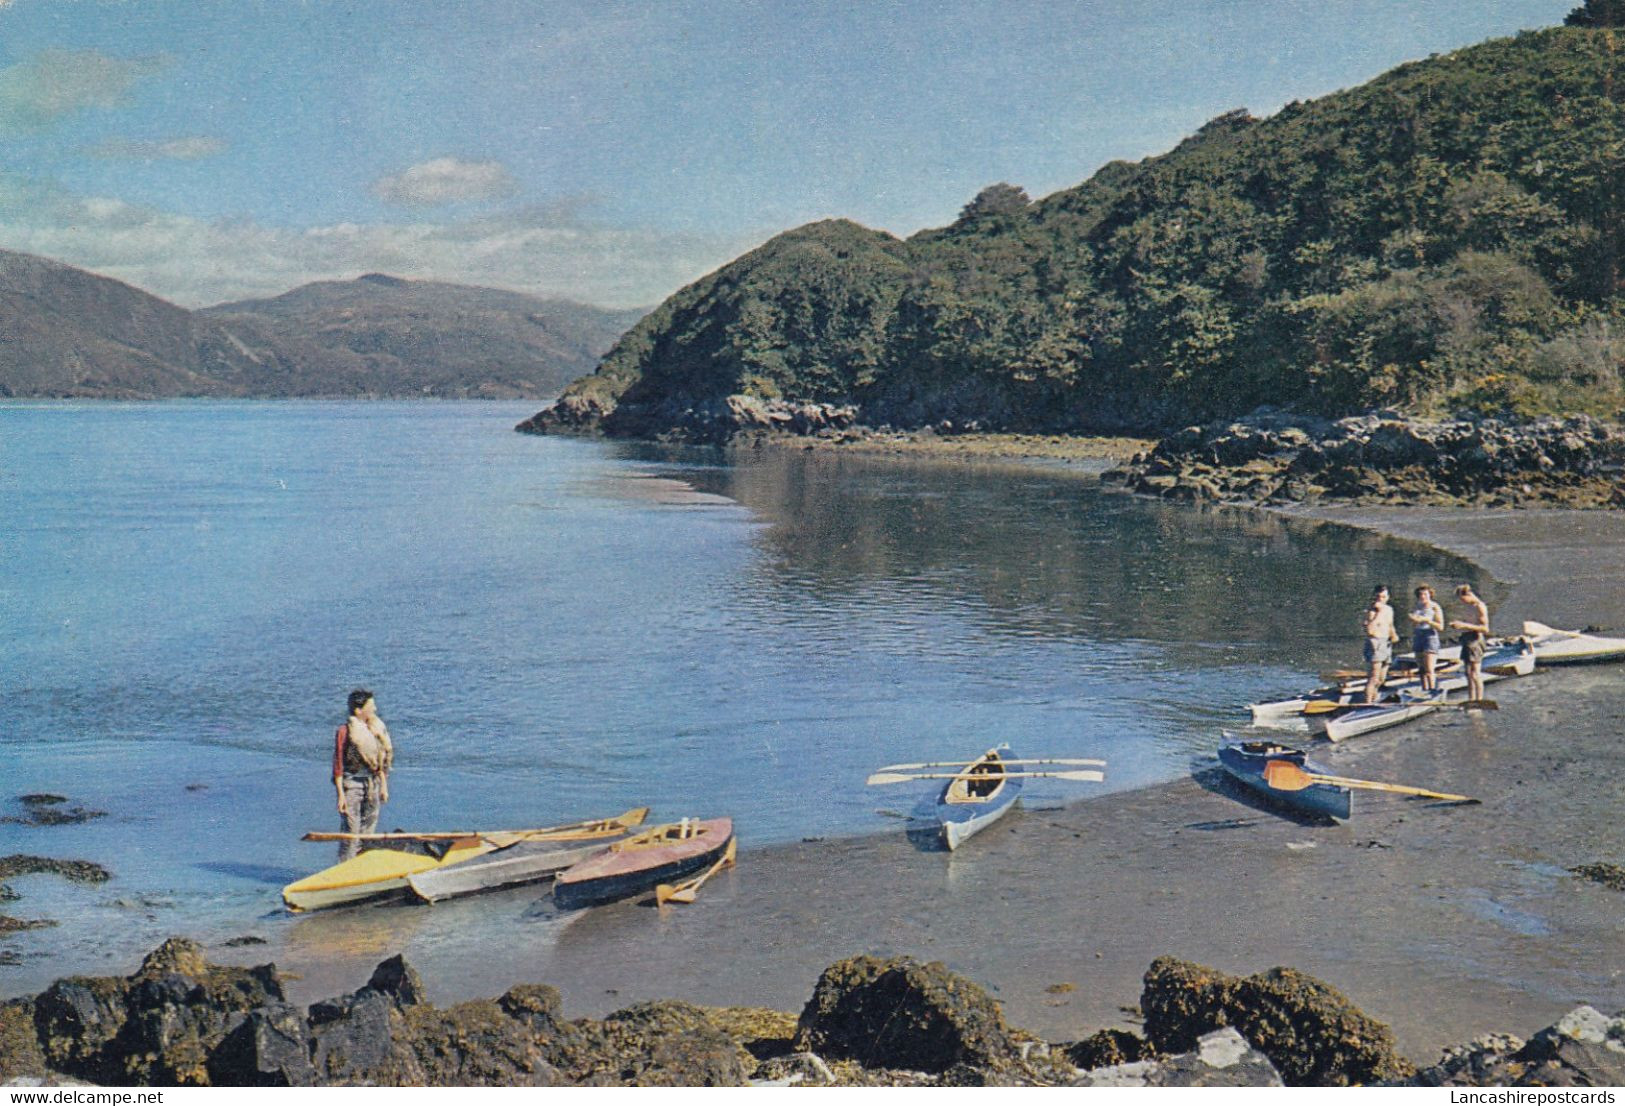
[[1449, 236], [426, 338], [68, 332]]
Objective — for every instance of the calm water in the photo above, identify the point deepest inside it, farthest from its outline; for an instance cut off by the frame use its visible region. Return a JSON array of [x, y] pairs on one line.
[[558, 629]]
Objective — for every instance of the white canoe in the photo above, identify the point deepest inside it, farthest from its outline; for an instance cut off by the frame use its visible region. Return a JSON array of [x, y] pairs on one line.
[[1553, 646]]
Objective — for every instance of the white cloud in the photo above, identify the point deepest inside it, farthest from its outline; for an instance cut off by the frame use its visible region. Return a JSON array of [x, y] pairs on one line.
[[195, 262], [445, 180], [53, 84], [190, 148]]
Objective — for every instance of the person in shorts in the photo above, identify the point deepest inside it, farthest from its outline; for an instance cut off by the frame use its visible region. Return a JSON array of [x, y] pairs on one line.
[[1378, 625], [1427, 622], [1475, 633]]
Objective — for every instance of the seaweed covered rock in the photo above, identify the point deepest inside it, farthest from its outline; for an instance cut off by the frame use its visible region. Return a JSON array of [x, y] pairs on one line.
[[1312, 1034], [476, 1044], [902, 1014], [75, 1022], [20, 1052], [1222, 1058], [1387, 457], [1107, 1048], [654, 1044], [155, 1028], [1611, 876], [179, 1007]]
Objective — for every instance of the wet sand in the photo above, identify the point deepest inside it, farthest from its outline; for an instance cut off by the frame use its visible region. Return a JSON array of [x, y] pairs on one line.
[[1446, 921]]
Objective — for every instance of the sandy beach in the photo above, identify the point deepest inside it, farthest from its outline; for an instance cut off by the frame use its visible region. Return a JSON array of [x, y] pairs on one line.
[[1446, 921]]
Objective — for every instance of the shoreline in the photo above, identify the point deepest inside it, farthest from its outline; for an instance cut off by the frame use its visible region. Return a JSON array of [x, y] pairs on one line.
[[1428, 918]]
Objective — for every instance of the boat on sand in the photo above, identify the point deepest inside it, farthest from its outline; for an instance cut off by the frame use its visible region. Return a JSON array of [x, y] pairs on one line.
[[663, 854], [387, 867], [1246, 761]]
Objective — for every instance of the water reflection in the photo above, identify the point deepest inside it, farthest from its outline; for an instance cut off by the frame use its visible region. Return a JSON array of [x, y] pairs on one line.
[[1040, 554]]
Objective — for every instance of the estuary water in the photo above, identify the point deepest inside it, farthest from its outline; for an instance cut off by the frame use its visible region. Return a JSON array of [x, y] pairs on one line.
[[558, 628]]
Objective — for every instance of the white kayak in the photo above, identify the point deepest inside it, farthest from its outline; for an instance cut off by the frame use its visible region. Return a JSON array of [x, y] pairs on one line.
[[1553, 646], [1287, 714], [1513, 659]]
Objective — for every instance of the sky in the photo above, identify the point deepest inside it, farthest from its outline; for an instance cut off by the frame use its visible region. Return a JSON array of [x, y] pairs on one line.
[[610, 152]]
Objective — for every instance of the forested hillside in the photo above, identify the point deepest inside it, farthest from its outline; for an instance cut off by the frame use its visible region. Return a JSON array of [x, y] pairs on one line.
[[1445, 237]]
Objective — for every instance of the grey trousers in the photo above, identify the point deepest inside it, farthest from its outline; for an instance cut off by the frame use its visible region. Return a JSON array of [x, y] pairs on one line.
[[361, 807]]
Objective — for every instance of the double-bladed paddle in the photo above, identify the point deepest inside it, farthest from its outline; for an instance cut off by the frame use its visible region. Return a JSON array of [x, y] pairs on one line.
[[969, 763], [898, 777], [1283, 775]]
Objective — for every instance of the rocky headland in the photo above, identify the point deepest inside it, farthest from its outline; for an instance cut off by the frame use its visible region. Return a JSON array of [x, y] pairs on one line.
[[180, 1020], [1275, 459]]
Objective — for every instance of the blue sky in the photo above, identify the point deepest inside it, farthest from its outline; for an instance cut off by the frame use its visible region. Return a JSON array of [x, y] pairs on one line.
[[610, 152]]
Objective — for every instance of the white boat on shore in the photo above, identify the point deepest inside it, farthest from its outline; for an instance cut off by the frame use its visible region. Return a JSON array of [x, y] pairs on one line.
[[1513, 659], [1557, 647]]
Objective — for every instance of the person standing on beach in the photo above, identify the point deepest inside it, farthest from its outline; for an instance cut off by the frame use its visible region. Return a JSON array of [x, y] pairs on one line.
[[362, 757], [1427, 620], [1475, 632], [1378, 624]]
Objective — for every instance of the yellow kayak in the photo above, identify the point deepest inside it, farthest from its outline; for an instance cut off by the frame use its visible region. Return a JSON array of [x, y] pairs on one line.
[[373, 873]]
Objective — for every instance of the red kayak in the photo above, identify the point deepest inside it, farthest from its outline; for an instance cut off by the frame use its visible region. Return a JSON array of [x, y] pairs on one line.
[[663, 854]]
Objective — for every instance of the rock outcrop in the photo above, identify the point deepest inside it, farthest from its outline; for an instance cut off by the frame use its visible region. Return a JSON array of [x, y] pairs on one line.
[[1222, 1058], [900, 1013], [1583, 1049], [181, 1021], [1276, 459], [1312, 1034]]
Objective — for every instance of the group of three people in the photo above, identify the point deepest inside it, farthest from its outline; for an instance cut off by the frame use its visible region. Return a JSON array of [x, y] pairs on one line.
[[1427, 620]]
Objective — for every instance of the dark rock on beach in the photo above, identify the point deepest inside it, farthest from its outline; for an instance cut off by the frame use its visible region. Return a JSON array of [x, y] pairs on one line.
[[900, 1013], [180, 1020], [1273, 458], [1611, 876], [1107, 1048], [1312, 1034], [1583, 1049], [1222, 1058], [44, 809], [80, 871]]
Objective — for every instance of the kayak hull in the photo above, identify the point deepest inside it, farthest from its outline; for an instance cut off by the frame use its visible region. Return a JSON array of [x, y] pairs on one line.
[[1245, 761], [976, 798], [373, 874], [663, 854]]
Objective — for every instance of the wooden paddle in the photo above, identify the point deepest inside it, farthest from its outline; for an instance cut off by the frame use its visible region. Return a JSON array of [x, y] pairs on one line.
[[575, 831], [968, 763], [1283, 775], [891, 777], [686, 892]]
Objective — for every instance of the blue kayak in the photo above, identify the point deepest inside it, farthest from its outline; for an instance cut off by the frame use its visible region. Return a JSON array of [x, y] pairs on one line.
[[1246, 761], [977, 796]]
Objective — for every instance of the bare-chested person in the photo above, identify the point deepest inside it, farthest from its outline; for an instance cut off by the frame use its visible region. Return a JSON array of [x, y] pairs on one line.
[[1475, 633], [1378, 624]]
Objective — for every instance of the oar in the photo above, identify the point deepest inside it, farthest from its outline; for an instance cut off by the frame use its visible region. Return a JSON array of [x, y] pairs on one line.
[[1327, 706], [1283, 775], [596, 827], [686, 892], [889, 777], [968, 763]]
